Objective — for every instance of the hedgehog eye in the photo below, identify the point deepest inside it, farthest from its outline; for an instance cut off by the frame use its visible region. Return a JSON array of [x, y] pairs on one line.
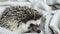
[[30, 26]]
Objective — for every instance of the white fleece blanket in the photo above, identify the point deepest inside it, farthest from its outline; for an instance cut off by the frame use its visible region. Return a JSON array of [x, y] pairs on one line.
[[51, 24]]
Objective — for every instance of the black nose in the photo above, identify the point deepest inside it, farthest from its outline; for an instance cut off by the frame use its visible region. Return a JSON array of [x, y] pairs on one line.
[[38, 31]]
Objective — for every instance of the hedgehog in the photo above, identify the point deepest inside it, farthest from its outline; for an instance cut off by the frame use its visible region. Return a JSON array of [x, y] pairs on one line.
[[12, 16]]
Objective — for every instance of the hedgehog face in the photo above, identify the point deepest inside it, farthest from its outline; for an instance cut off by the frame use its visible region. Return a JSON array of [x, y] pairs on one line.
[[13, 16], [31, 26], [34, 26]]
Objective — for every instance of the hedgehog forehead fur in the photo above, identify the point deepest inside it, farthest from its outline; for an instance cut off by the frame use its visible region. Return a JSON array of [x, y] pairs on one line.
[[17, 14]]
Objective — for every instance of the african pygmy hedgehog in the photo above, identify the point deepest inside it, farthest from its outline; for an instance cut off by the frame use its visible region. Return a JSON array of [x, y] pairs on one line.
[[14, 15]]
